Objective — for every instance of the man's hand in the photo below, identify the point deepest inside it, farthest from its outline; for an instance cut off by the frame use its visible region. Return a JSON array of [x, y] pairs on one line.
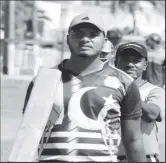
[[151, 112]]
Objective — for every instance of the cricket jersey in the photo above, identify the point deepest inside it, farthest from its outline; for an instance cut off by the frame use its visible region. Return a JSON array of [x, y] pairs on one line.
[[155, 73], [154, 95], [84, 124]]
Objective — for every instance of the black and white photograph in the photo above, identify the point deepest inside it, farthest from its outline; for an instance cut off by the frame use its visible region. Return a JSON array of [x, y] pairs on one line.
[[82, 81]]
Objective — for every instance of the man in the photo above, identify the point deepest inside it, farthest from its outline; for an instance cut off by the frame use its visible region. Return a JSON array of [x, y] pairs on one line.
[[132, 59], [107, 54], [85, 119], [155, 73], [115, 36]]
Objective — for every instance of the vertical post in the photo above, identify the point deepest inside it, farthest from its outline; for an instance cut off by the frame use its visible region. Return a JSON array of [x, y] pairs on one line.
[[64, 13], [114, 6], [9, 49], [97, 2], [63, 44], [36, 63], [34, 20]]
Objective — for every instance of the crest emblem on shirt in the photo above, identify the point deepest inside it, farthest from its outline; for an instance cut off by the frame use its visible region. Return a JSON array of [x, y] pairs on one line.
[[90, 106]]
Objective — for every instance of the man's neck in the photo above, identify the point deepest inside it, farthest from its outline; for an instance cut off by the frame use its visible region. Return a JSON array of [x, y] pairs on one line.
[[84, 65], [139, 81]]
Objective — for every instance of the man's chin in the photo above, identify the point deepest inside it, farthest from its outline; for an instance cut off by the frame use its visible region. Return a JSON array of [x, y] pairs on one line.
[[86, 55], [134, 76], [83, 55]]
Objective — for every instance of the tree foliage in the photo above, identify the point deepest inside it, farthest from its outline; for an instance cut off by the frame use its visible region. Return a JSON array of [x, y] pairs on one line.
[[131, 6], [23, 11]]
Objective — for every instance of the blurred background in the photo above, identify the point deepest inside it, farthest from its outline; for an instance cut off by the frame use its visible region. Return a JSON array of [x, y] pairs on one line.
[[33, 32], [33, 35]]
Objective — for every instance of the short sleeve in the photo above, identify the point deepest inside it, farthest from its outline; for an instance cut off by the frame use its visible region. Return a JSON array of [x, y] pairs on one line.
[[131, 104], [157, 97]]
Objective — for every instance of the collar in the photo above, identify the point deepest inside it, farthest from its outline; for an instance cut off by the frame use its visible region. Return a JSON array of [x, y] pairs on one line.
[[62, 68]]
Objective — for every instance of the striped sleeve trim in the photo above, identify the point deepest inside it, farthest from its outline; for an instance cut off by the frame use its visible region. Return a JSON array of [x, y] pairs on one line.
[[75, 146], [68, 140], [80, 152], [131, 116], [75, 134], [80, 158], [70, 127]]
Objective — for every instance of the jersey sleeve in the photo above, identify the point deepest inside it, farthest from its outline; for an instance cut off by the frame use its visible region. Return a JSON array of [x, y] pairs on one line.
[[131, 104], [157, 97]]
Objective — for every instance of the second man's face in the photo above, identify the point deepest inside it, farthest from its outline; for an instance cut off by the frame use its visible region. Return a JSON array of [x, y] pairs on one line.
[[131, 63], [86, 40]]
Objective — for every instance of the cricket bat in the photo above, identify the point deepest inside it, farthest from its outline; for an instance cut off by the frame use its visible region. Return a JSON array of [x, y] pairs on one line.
[[36, 116]]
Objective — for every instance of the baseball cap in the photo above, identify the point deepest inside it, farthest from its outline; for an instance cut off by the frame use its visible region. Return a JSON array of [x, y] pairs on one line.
[[88, 18], [135, 46]]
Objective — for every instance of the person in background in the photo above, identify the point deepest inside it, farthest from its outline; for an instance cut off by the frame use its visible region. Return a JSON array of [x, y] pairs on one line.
[[93, 101], [107, 54], [132, 58], [114, 36], [155, 73]]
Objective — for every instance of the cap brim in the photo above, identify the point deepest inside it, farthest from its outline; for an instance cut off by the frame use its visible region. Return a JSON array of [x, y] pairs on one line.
[[85, 21], [133, 48]]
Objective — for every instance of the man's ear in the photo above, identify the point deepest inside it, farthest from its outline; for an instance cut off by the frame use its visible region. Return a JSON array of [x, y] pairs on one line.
[[67, 40], [145, 65]]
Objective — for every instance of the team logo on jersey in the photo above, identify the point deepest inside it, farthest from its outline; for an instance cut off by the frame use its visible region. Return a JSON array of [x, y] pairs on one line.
[[90, 107]]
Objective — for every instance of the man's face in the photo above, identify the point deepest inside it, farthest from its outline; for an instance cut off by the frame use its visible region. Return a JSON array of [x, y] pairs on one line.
[[132, 63], [86, 40]]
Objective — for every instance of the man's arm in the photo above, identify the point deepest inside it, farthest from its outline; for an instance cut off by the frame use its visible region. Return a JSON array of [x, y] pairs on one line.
[[131, 113], [132, 140], [151, 112], [28, 93], [154, 107]]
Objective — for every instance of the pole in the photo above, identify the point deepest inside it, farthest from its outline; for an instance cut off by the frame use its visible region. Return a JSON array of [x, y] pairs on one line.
[[64, 12], [9, 49], [36, 63]]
